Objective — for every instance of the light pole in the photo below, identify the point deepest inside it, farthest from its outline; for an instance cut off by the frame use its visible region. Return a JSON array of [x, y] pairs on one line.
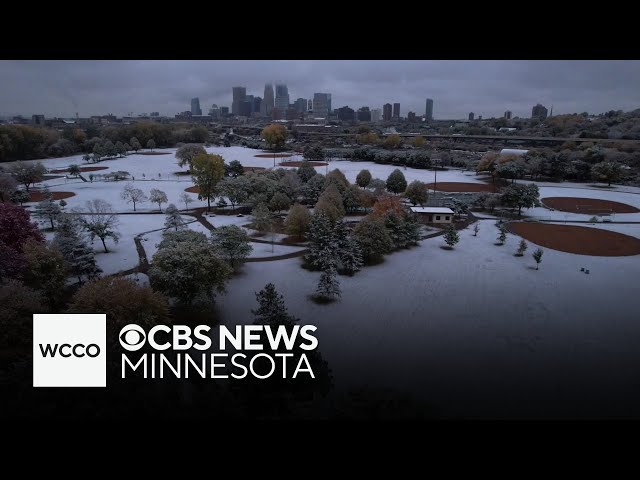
[[435, 180]]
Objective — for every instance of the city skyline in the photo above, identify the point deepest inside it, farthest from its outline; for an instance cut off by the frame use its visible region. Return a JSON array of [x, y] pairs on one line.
[[488, 88]]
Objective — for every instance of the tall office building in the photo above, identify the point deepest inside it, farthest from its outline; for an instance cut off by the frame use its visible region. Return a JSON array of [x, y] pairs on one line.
[[346, 114], [471, 116], [386, 112], [246, 106], [539, 111], [310, 105], [195, 106], [364, 115], [257, 104], [396, 111], [214, 112], [375, 115], [301, 105], [282, 99], [507, 114], [266, 107], [239, 96], [322, 105], [428, 113]]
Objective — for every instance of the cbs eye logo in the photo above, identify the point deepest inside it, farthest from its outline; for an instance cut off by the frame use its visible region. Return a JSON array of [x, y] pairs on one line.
[[132, 337]]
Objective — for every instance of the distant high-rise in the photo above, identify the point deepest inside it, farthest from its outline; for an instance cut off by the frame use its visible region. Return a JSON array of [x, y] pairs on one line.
[[386, 112], [257, 104], [266, 108], [224, 111], [411, 116], [321, 105], [375, 115], [396, 111], [507, 114], [471, 116], [301, 105], [539, 111], [195, 106], [428, 113], [346, 114], [364, 115], [479, 117], [282, 100], [246, 106], [239, 96], [37, 119], [310, 105], [214, 112]]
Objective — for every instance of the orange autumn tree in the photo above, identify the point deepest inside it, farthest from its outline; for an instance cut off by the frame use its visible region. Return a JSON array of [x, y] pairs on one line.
[[388, 203]]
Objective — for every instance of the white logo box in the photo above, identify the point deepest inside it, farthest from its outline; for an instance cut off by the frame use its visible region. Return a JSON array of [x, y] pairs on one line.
[[71, 366]]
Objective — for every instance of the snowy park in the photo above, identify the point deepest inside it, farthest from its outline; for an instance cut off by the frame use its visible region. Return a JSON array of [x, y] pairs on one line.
[[475, 315]]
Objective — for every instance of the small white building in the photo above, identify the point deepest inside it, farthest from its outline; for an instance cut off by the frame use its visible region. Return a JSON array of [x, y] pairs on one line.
[[513, 151], [433, 214]]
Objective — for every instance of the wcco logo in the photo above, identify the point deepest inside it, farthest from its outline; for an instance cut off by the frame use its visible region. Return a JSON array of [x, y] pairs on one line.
[[69, 350]]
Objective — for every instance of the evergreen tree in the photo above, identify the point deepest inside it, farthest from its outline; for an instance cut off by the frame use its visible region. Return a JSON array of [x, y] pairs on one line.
[[522, 247], [173, 218], [394, 224], [329, 285], [79, 256], [271, 310], [349, 251], [306, 171], [451, 236], [412, 228], [323, 244], [313, 188], [222, 203], [503, 234], [537, 256]]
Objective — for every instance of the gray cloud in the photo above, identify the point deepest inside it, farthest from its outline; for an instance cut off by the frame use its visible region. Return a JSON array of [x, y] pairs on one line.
[[488, 88]]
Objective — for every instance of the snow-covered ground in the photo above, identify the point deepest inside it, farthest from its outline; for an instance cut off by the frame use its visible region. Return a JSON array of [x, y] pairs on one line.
[[475, 318], [446, 325], [123, 255]]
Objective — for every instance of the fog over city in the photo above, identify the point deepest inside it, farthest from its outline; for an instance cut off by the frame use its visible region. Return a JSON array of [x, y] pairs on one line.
[[486, 87]]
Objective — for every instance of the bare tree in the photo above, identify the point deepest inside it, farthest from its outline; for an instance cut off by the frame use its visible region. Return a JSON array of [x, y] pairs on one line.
[[158, 196], [101, 221], [133, 195], [186, 199]]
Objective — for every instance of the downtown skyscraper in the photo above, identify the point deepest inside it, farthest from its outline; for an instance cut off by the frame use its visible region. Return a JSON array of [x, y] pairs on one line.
[[239, 96], [428, 113], [282, 100], [266, 107]]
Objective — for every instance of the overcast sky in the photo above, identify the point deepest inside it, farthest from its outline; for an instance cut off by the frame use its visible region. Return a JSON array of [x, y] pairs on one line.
[[486, 87]]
